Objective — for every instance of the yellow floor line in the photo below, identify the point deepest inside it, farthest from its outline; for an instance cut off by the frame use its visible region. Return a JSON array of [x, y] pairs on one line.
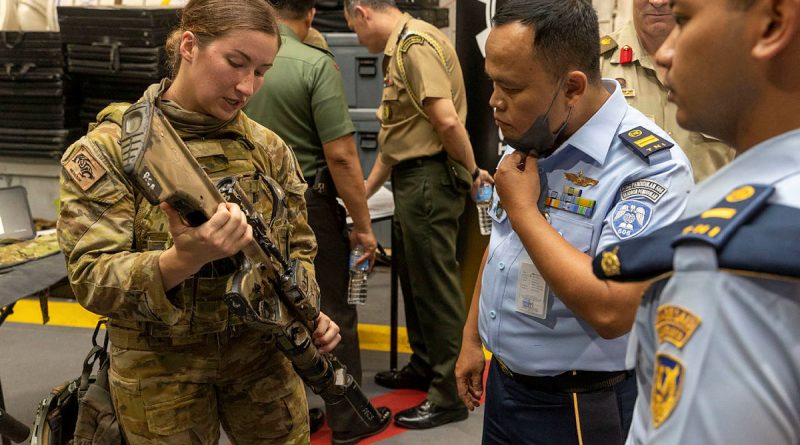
[[373, 337]]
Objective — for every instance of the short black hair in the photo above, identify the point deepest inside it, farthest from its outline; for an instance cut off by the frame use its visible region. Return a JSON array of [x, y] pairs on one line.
[[566, 33], [350, 5], [292, 9]]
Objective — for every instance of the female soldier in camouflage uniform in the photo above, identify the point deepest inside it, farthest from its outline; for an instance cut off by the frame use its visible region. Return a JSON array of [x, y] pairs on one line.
[[181, 364]]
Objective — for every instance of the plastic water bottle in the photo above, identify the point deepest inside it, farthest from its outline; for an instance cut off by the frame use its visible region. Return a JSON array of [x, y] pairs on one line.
[[357, 291], [483, 200]]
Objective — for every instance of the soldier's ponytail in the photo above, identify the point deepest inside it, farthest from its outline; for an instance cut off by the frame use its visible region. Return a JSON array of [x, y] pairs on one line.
[[211, 19]]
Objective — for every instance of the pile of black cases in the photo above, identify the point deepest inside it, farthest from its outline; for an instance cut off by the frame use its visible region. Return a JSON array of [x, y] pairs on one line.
[[330, 14], [117, 51], [38, 98]]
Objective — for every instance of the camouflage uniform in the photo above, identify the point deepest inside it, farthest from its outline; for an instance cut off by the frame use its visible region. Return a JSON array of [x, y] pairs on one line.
[[180, 362]]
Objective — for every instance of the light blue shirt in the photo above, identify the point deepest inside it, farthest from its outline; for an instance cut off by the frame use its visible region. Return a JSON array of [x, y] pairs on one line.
[[735, 378], [561, 341]]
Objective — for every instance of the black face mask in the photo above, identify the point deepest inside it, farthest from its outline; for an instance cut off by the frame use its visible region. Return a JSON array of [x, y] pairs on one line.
[[539, 140]]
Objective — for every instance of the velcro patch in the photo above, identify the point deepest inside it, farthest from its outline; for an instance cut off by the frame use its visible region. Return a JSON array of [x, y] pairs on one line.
[[643, 188], [644, 142], [675, 325], [84, 168], [667, 386], [716, 225], [630, 218]]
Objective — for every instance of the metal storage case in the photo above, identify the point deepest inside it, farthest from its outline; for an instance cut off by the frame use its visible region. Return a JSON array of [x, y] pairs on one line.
[[362, 72], [367, 127]]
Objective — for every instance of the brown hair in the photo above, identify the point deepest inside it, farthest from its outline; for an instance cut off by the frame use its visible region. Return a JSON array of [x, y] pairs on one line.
[[209, 20]]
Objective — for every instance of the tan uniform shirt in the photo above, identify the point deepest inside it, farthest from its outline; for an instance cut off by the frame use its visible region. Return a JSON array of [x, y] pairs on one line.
[[432, 70], [645, 91]]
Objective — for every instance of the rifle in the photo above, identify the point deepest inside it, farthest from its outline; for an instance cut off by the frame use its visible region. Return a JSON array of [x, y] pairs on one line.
[[267, 291]]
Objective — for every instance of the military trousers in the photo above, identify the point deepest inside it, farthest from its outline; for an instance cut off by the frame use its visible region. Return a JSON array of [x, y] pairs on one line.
[[516, 413], [179, 395], [327, 219], [425, 227]]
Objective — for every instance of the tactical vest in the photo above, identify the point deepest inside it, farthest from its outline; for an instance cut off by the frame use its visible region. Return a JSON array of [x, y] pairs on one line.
[[222, 156]]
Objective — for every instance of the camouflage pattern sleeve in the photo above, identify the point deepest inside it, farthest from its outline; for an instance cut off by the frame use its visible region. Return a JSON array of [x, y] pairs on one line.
[[95, 232]]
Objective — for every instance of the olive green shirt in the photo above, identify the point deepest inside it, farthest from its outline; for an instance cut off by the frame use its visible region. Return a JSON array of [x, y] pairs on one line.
[[645, 91], [303, 101], [432, 70]]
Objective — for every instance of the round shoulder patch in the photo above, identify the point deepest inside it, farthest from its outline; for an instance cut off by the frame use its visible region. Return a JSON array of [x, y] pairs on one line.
[[630, 218]]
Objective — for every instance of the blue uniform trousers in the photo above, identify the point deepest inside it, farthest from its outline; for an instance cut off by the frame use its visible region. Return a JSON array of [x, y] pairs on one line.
[[517, 414]]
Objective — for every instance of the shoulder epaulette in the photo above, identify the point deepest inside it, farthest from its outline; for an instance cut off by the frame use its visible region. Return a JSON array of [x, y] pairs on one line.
[[319, 48], [716, 225], [607, 44], [409, 38], [644, 142], [742, 229]]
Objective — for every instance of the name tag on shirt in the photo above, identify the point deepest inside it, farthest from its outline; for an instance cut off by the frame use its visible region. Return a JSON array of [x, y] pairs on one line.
[[532, 291]]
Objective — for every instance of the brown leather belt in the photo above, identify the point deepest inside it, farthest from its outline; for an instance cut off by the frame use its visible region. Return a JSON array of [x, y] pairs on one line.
[[568, 382]]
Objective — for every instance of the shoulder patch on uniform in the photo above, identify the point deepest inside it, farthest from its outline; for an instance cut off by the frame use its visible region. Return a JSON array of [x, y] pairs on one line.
[[643, 188], [644, 142], [607, 44], [630, 218], [716, 225], [83, 168], [667, 387], [675, 325]]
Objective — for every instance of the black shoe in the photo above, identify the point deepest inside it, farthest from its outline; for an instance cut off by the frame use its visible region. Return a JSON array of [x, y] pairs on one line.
[[405, 378], [316, 418], [352, 437], [427, 415]]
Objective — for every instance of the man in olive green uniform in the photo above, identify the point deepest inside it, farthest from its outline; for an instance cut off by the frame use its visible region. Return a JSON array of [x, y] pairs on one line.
[[181, 363], [303, 101], [627, 56], [426, 150]]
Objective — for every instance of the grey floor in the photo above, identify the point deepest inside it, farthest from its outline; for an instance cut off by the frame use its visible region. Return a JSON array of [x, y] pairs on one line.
[[34, 358]]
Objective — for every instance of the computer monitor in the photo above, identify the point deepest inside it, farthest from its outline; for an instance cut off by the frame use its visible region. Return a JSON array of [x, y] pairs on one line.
[[15, 215]]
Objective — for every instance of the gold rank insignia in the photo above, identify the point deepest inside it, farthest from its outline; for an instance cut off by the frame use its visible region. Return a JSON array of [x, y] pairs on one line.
[[644, 142], [741, 194], [610, 262], [667, 386], [623, 85], [607, 44], [387, 112], [675, 325], [580, 180], [83, 168]]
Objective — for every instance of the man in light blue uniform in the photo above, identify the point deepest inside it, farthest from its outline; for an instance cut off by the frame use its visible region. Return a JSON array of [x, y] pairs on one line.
[[716, 342], [605, 173]]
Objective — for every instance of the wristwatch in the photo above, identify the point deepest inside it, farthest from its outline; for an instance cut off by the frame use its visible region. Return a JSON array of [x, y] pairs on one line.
[[476, 173]]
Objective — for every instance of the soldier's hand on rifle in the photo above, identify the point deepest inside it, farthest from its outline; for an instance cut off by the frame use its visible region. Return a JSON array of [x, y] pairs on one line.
[[326, 335], [225, 234]]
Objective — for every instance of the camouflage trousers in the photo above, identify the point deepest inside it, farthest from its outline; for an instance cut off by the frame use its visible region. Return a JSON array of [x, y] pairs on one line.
[[180, 395]]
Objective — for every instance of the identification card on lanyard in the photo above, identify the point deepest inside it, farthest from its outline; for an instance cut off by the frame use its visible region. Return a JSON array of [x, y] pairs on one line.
[[532, 291]]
